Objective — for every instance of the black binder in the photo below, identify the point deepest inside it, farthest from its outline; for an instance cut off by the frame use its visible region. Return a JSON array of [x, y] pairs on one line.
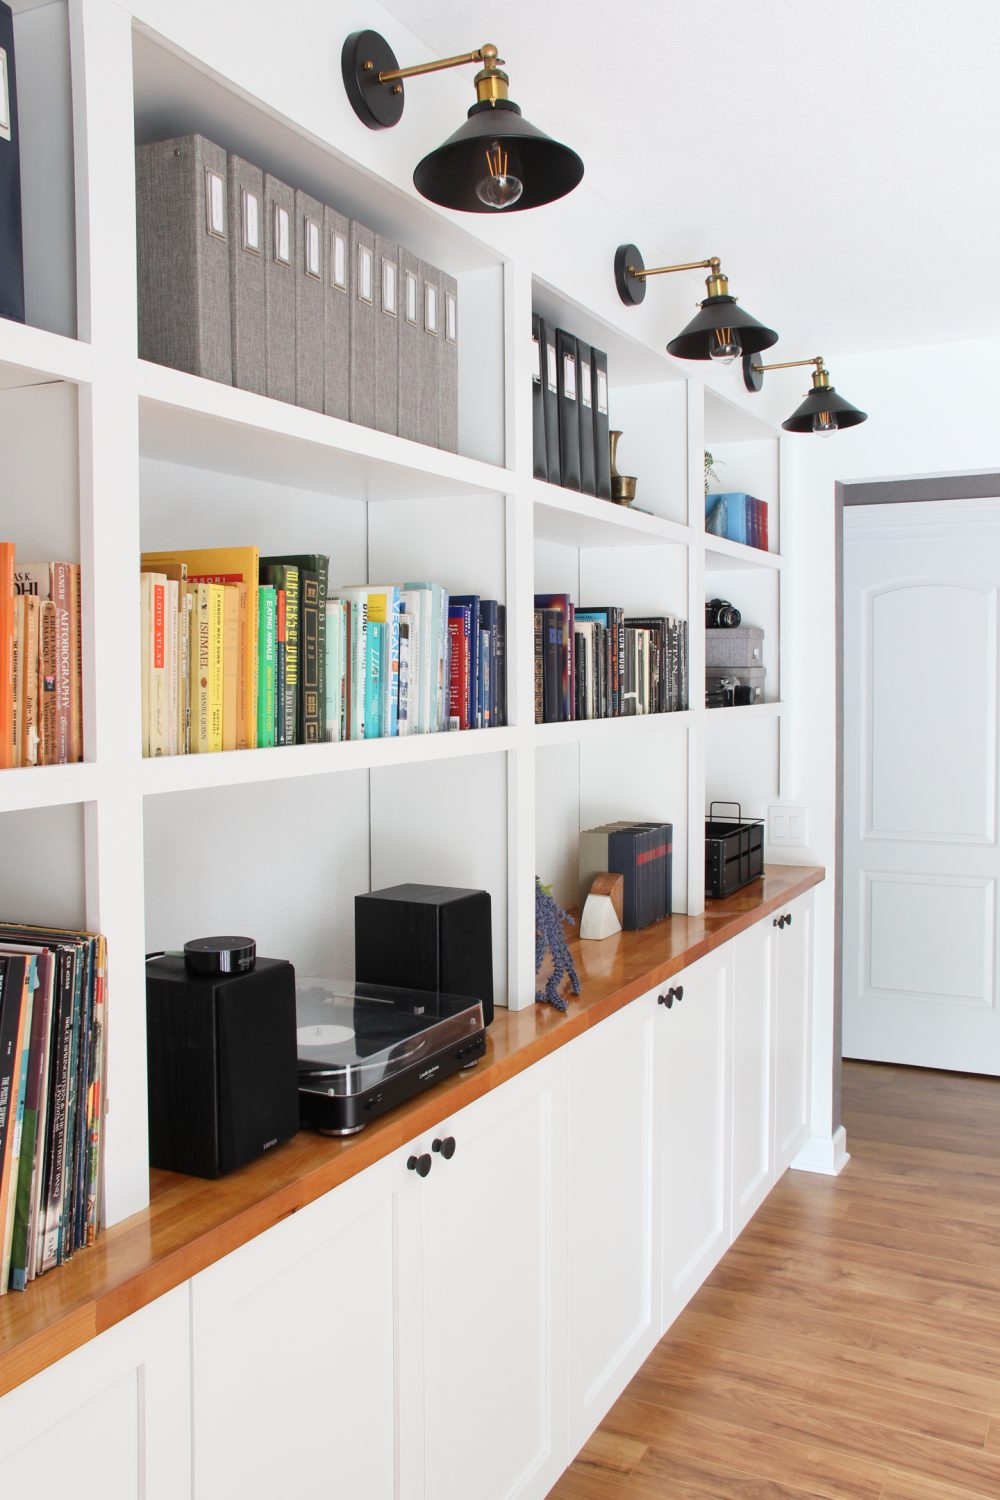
[[11, 254], [602, 451], [585, 402], [569, 419], [541, 462], [550, 398]]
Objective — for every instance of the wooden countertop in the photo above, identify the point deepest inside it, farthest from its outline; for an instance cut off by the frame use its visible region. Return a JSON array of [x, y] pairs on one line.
[[190, 1222]]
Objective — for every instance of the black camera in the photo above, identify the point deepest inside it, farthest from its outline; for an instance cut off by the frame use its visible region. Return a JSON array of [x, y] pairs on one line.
[[720, 614]]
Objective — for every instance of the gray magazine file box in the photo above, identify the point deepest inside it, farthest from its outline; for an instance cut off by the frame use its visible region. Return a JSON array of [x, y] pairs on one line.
[[429, 374], [364, 291], [309, 278], [246, 274], [448, 411], [410, 336], [279, 287], [337, 314], [183, 257], [386, 335]]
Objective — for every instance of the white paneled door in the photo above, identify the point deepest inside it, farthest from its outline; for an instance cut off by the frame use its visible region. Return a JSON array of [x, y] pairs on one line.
[[921, 861]]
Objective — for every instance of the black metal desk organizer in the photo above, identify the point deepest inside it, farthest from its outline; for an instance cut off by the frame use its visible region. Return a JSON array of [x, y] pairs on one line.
[[734, 850]]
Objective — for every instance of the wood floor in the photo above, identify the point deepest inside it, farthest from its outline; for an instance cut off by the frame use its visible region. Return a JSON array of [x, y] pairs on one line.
[[848, 1345]]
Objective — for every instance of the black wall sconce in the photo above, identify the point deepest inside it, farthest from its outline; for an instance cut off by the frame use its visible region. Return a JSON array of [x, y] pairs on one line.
[[823, 411], [721, 330], [496, 161]]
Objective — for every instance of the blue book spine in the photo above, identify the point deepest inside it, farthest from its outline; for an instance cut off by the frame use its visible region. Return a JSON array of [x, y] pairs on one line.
[[488, 621]]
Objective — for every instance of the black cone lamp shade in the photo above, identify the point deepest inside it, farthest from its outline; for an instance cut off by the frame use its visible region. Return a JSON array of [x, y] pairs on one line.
[[697, 339], [824, 400], [452, 174]]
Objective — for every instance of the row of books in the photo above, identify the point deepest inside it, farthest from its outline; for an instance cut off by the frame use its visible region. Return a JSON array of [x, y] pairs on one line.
[[53, 1056], [739, 518], [595, 663], [570, 411], [245, 280], [241, 651], [41, 702]]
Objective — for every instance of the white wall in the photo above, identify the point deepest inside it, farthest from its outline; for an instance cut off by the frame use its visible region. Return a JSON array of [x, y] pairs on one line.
[[932, 410]]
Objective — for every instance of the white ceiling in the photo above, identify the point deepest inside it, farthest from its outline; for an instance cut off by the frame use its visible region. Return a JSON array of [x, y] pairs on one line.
[[841, 159]]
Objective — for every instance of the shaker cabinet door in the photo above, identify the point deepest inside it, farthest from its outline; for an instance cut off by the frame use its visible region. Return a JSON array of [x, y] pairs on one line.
[[693, 1105], [609, 1271], [793, 1004], [753, 1070], [111, 1419], [294, 1353], [493, 1271]]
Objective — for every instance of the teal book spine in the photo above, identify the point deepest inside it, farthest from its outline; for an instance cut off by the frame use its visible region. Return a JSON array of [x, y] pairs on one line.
[[374, 652]]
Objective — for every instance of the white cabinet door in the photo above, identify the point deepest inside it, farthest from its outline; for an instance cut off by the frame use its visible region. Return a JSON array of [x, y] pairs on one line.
[[111, 1421], [295, 1358], [693, 1105], [752, 1152], [792, 1009], [612, 1321], [493, 1271]]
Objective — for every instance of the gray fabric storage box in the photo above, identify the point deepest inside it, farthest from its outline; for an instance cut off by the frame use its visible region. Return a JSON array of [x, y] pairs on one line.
[[739, 646], [746, 676]]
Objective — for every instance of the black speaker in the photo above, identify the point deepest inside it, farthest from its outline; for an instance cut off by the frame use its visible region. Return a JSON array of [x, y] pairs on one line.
[[426, 937], [221, 1056]]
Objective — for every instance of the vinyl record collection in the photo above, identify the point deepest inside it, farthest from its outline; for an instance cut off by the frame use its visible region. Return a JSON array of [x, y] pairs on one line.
[[53, 1056]]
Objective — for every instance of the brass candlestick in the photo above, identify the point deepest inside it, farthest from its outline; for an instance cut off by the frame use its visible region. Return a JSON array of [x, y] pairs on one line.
[[622, 485]]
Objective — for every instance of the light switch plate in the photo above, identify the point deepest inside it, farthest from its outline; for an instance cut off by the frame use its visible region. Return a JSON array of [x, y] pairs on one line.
[[786, 826]]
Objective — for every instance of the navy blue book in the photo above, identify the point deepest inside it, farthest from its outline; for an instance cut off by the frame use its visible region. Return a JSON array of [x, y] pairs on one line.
[[489, 621], [11, 254]]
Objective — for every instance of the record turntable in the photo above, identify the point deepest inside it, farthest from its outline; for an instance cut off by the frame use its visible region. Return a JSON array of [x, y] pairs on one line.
[[364, 1048]]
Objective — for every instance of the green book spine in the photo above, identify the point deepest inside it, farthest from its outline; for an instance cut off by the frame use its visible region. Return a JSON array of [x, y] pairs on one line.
[[266, 662], [311, 725], [285, 575]]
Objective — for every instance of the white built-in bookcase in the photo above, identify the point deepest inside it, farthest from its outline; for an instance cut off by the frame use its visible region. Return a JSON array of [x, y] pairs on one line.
[[104, 455]]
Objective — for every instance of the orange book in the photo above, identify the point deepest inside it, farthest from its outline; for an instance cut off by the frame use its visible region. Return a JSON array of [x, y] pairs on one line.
[[6, 655], [225, 565]]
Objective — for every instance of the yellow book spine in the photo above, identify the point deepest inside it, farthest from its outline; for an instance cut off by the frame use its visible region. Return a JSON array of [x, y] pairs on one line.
[[231, 696], [216, 662]]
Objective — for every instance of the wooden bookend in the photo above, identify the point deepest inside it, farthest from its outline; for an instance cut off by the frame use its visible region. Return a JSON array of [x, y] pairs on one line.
[[602, 910]]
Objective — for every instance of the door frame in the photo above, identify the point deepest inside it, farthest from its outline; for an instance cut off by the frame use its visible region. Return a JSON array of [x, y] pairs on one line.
[[976, 484]]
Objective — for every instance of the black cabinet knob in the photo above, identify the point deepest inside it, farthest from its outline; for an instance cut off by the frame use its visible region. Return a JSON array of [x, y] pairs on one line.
[[446, 1147], [679, 992], [779, 921], [667, 999], [788, 919], [420, 1164]]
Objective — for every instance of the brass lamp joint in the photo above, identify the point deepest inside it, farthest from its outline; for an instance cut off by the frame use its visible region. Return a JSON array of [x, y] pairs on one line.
[[491, 83], [717, 284]]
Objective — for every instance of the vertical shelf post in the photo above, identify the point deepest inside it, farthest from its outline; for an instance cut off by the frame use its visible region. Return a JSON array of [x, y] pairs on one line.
[[101, 51]]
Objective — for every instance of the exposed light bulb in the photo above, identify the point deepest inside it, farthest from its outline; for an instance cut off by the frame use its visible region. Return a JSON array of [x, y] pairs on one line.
[[500, 188], [725, 346], [825, 422]]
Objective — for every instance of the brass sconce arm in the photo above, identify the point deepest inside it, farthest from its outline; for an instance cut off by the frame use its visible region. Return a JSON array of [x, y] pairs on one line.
[[753, 373], [712, 263], [486, 54], [788, 364]]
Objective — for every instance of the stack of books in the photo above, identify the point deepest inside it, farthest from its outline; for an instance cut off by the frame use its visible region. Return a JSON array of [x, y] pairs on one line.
[[739, 518], [249, 281], [570, 411], [643, 854], [53, 1056], [41, 704], [597, 663], [241, 651]]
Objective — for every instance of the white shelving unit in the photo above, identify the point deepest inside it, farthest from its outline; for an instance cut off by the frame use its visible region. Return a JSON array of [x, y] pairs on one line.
[[109, 455]]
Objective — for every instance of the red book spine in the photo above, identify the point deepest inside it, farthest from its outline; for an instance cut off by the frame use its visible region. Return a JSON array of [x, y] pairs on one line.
[[459, 684]]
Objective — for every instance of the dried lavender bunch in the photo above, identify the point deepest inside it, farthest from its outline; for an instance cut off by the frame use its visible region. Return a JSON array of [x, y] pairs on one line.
[[549, 919]]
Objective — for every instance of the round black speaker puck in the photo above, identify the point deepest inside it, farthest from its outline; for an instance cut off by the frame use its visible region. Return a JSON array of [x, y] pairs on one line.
[[209, 956]]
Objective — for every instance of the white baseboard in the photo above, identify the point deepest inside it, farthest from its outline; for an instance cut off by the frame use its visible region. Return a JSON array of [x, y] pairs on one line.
[[825, 1154]]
